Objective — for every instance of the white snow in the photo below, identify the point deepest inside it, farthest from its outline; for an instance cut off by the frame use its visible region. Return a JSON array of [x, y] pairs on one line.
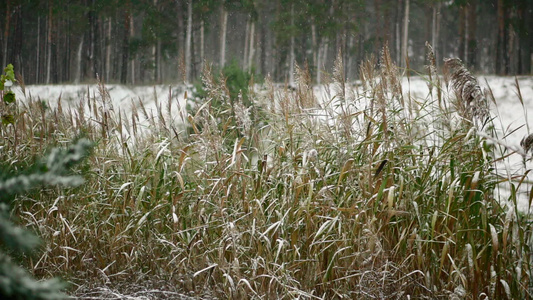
[[120, 95]]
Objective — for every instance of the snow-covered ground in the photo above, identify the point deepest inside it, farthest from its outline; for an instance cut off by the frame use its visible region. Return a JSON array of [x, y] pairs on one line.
[[508, 109], [120, 95]]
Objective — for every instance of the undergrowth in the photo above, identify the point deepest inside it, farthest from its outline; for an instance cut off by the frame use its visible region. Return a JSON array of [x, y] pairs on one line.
[[367, 192]]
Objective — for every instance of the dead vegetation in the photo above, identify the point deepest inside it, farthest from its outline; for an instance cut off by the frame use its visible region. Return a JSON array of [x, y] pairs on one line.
[[368, 194]]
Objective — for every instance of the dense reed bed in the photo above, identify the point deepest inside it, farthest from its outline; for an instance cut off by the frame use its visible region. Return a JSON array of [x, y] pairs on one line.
[[355, 192]]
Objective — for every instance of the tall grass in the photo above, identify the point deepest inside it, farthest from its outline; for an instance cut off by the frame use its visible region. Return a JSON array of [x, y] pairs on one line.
[[367, 192]]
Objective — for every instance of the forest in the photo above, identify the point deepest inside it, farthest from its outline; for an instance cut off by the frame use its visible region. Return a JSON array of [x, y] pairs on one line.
[[169, 41]]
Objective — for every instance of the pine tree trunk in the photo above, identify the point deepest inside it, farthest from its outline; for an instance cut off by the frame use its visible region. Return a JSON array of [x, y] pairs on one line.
[[6, 33], [314, 43], [379, 29], [159, 64], [188, 43], [405, 39], [180, 16], [251, 49], [471, 45], [77, 77], [125, 46], [49, 44], [322, 59], [398, 27], [66, 54], [133, 59], [325, 52], [500, 45], [16, 45], [263, 46], [246, 45], [526, 40], [93, 21], [529, 51], [202, 45], [506, 46], [462, 33], [38, 54], [318, 65], [292, 55], [386, 27], [428, 23], [108, 51], [435, 28], [349, 64], [223, 32], [154, 52]]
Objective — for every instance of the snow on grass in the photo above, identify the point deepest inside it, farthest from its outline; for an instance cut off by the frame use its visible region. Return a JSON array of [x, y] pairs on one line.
[[512, 116]]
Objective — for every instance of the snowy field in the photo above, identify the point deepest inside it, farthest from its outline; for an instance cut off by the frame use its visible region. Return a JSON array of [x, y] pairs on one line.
[[121, 96], [511, 119]]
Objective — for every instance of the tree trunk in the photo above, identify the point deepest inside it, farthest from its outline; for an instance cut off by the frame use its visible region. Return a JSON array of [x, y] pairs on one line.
[[398, 33], [202, 45], [251, 49], [529, 54], [525, 25], [188, 43], [6, 33], [77, 77], [501, 48], [428, 23], [322, 59], [93, 20], [462, 33], [263, 46], [16, 44], [325, 52], [349, 63], [386, 27], [49, 44], [435, 30], [38, 54], [181, 42], [125, 45], [133, 59], [315, 44], [246, 45], [223, 32], [471, 45], [318, 65], [405, 40], [108, 51], [159, 77], [292, 55], [154, 51], [379, 27], [66, 55]]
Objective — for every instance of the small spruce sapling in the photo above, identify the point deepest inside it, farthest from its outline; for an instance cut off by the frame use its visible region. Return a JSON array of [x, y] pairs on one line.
[[16, 241], [55, 169], [8, 96]]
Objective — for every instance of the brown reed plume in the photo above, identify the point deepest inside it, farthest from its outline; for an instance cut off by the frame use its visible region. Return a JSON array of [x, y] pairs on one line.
[[527, 143], [471, 102]]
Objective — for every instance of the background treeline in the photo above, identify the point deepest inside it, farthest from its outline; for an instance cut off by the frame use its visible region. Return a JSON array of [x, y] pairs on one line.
[[155, 41]]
